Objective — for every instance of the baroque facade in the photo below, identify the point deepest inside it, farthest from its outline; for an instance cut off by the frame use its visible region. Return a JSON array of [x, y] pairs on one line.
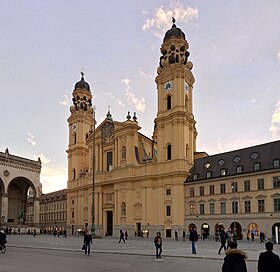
[[162, 183], [139, 182], [17, 176]]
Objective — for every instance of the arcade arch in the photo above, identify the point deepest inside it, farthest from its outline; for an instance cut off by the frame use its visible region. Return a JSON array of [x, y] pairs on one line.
[[17, 176], [17, 199]]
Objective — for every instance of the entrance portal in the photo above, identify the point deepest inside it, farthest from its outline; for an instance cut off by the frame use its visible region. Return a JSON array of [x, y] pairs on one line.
[[238, 230], [109, 231]]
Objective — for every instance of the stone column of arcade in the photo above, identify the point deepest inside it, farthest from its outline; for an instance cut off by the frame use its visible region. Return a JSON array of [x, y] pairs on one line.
[[4, 212], [36, 211]]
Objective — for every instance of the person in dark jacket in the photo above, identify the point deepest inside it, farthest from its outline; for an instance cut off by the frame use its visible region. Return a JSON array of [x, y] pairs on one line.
[[193, 238], [158, 245], [268, 261], [234, 260], [223, 241], [87, 242], [121, 236]]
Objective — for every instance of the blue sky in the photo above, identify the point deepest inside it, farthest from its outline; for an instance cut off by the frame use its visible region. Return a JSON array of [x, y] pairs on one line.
[[234, 46]]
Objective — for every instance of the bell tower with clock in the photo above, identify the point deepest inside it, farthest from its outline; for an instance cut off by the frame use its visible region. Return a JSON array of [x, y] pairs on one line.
[[175, 131], [80, 124]]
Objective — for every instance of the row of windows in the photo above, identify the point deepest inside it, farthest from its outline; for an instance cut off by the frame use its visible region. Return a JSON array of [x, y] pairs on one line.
[[53, 217], [234, 207], [52, 206], [234, 187], [239, 169], [238, 159]]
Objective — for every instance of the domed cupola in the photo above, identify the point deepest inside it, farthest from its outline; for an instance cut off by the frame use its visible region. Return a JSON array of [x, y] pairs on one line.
[[82, 84], [82, 97], [174, 32], [174, 49]]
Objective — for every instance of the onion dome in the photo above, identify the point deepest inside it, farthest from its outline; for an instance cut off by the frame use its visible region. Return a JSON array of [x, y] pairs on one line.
[[174, 32], [82, 84]]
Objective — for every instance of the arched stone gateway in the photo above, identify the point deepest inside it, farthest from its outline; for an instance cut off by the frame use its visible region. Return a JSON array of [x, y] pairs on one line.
[[236, 227], [17, 176]]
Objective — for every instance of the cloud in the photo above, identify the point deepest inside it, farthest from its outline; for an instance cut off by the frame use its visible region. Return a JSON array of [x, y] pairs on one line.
[[31, 138], [65, 102], [144, 75], [138, 103], [161, 19], [126, 81], [230, 145], [275, 122], [120, 103], [253, 101], [278, 54], [53, 179]]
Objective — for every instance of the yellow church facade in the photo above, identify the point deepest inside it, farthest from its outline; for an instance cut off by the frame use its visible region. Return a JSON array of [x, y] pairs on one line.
[[138, 181]]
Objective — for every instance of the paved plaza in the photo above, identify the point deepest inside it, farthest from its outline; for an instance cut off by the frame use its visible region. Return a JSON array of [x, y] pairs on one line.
[[26, 251]]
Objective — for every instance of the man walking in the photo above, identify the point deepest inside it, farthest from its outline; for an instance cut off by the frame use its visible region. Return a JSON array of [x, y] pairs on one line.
[[158, 245], [223, 241], [121, 236], [268, 261], [193, 238], [87, 242]]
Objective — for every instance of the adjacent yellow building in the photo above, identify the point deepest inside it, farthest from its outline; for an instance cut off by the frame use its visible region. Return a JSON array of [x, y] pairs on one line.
[[240, 187]]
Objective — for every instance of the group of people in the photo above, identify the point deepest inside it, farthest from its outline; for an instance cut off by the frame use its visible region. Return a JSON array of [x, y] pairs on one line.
[[235, 259]]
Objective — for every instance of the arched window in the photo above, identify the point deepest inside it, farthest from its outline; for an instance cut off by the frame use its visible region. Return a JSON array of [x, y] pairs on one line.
[[169, 152], [74, 173], [168, 102], [109, 161]]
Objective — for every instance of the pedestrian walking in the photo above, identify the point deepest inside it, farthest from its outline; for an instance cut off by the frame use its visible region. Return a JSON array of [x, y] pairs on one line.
[[65, 233], [193, 238], [126, 235], [248, 236], [158, 244], [252, 236], [234, 260], [87, 242], [223, 241], [148, 234], [228, 237], [176, 235], [262, 237], [184, 236], [121, 236], [268, 261], [34, 233]]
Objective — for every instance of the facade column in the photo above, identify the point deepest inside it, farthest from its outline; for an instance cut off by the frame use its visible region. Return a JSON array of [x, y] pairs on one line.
[[4, 212], [100, 213], [36, 210]]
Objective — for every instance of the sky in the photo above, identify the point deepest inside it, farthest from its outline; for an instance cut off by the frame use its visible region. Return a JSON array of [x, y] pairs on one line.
[[44, 45]]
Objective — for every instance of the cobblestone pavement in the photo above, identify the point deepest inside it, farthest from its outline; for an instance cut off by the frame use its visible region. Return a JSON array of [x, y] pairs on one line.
[[205, 249]]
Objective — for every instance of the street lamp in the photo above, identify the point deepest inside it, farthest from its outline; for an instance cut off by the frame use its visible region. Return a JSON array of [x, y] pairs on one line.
[[93, 174], [233, 187]]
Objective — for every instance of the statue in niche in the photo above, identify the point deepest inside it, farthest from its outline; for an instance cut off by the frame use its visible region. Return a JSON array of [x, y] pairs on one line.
[[123, 209], [124, 153]]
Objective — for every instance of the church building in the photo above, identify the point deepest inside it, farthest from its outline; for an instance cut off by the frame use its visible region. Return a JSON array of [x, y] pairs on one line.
[[162, 183], [138, 181]]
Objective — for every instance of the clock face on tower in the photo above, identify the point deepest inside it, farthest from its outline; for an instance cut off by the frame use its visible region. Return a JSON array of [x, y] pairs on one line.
[[168, 86]]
